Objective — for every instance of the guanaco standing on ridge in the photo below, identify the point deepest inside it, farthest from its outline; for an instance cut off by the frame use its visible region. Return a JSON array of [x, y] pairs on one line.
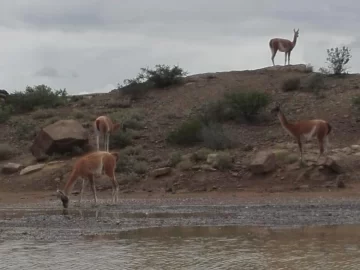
[[104, 126], [87, 167], [283, 45], [307, 129]]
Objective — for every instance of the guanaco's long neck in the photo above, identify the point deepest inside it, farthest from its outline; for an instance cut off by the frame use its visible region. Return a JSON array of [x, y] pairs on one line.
[[70, 182], [294, 41], [285, 124]]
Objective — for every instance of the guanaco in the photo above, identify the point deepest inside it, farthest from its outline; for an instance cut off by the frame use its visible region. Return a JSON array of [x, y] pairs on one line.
[[87, 167], [283, 45], [104, 126], [307, 129]]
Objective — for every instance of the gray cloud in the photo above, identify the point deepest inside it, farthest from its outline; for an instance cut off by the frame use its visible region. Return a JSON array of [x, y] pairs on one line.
[[47, 72], [108, 41]]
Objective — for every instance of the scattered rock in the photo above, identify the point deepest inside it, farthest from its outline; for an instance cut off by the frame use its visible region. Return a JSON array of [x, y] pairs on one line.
[[355, 147], [333, 163], [60, 137], [32, 168], [347, 150], [10, 168], [160, 172], [340, 181], [264, 161]]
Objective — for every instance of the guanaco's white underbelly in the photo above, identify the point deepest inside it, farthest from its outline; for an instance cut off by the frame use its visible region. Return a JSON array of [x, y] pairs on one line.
[[98, 170], [308, 136]]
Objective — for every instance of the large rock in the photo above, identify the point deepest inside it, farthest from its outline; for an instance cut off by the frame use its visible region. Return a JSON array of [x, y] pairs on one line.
[[264, 161], [60, 137]]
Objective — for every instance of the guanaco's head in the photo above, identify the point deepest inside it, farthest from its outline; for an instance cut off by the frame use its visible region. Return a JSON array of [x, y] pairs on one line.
[[118, 125], [296, 33], [276, 109], [116, 155], [64, 199]]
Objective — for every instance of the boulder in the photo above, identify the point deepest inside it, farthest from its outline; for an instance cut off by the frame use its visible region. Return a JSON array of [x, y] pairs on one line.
[[264, 162], [60, 137]]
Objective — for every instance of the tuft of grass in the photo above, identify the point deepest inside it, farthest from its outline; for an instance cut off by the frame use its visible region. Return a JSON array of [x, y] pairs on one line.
[[309, 68], [201, 154], [174, 159], [140, 167], [120, 139], [185, 165], [356, 102], [6, 151], [188, 133], [43, 114], [214, 137], [291, 84]]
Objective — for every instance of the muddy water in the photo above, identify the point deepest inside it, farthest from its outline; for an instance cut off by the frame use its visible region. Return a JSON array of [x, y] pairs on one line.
[[229, 247]]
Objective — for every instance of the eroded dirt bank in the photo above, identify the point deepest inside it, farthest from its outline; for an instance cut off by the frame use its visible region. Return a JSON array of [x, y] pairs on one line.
[[39, 216]]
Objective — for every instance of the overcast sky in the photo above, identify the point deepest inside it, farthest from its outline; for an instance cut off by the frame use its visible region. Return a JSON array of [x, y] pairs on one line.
[[91, 45]]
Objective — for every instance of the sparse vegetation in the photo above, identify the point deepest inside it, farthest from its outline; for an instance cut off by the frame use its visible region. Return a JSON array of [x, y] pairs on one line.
[[248, 104], [160, 77], [120, 139], [224, 161], [356, 102], [5, 113], [140, 167], [214, 137], [43, 114], [291, 84], [185, 165], [309, 68], [174, 159], [25, 130], [6, 151], [188, 133], [337, 60], [40, 96]]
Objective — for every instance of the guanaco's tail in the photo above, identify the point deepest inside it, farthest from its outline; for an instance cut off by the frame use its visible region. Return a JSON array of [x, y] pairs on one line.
[[329, 128]]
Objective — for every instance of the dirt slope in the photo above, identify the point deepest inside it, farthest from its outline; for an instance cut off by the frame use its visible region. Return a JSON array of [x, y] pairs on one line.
[[163, 110]]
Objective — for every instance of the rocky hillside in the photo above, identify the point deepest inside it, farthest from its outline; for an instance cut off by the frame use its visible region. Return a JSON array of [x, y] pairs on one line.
[[222, 159]]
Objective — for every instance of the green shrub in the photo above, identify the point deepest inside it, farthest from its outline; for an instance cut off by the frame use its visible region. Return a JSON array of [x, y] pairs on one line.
[[120, 139], [188, 133], [216, 111], [161, 76], [248, 104], [140, 167], [337, 59], [291, 84], [40, 96], [214, 137], [5, 113]]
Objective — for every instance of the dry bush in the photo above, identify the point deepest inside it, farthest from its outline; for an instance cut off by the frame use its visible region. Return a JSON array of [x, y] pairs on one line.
[[43, 114], [291, 84], [6, 151]]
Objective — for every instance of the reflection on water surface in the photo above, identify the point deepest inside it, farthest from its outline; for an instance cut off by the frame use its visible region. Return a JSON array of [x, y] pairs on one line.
[[332, 247]]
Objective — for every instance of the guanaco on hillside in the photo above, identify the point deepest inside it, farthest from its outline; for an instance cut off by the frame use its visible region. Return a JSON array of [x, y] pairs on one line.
[[307, 129], [103, 127], [87, 167], [283, 45]]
